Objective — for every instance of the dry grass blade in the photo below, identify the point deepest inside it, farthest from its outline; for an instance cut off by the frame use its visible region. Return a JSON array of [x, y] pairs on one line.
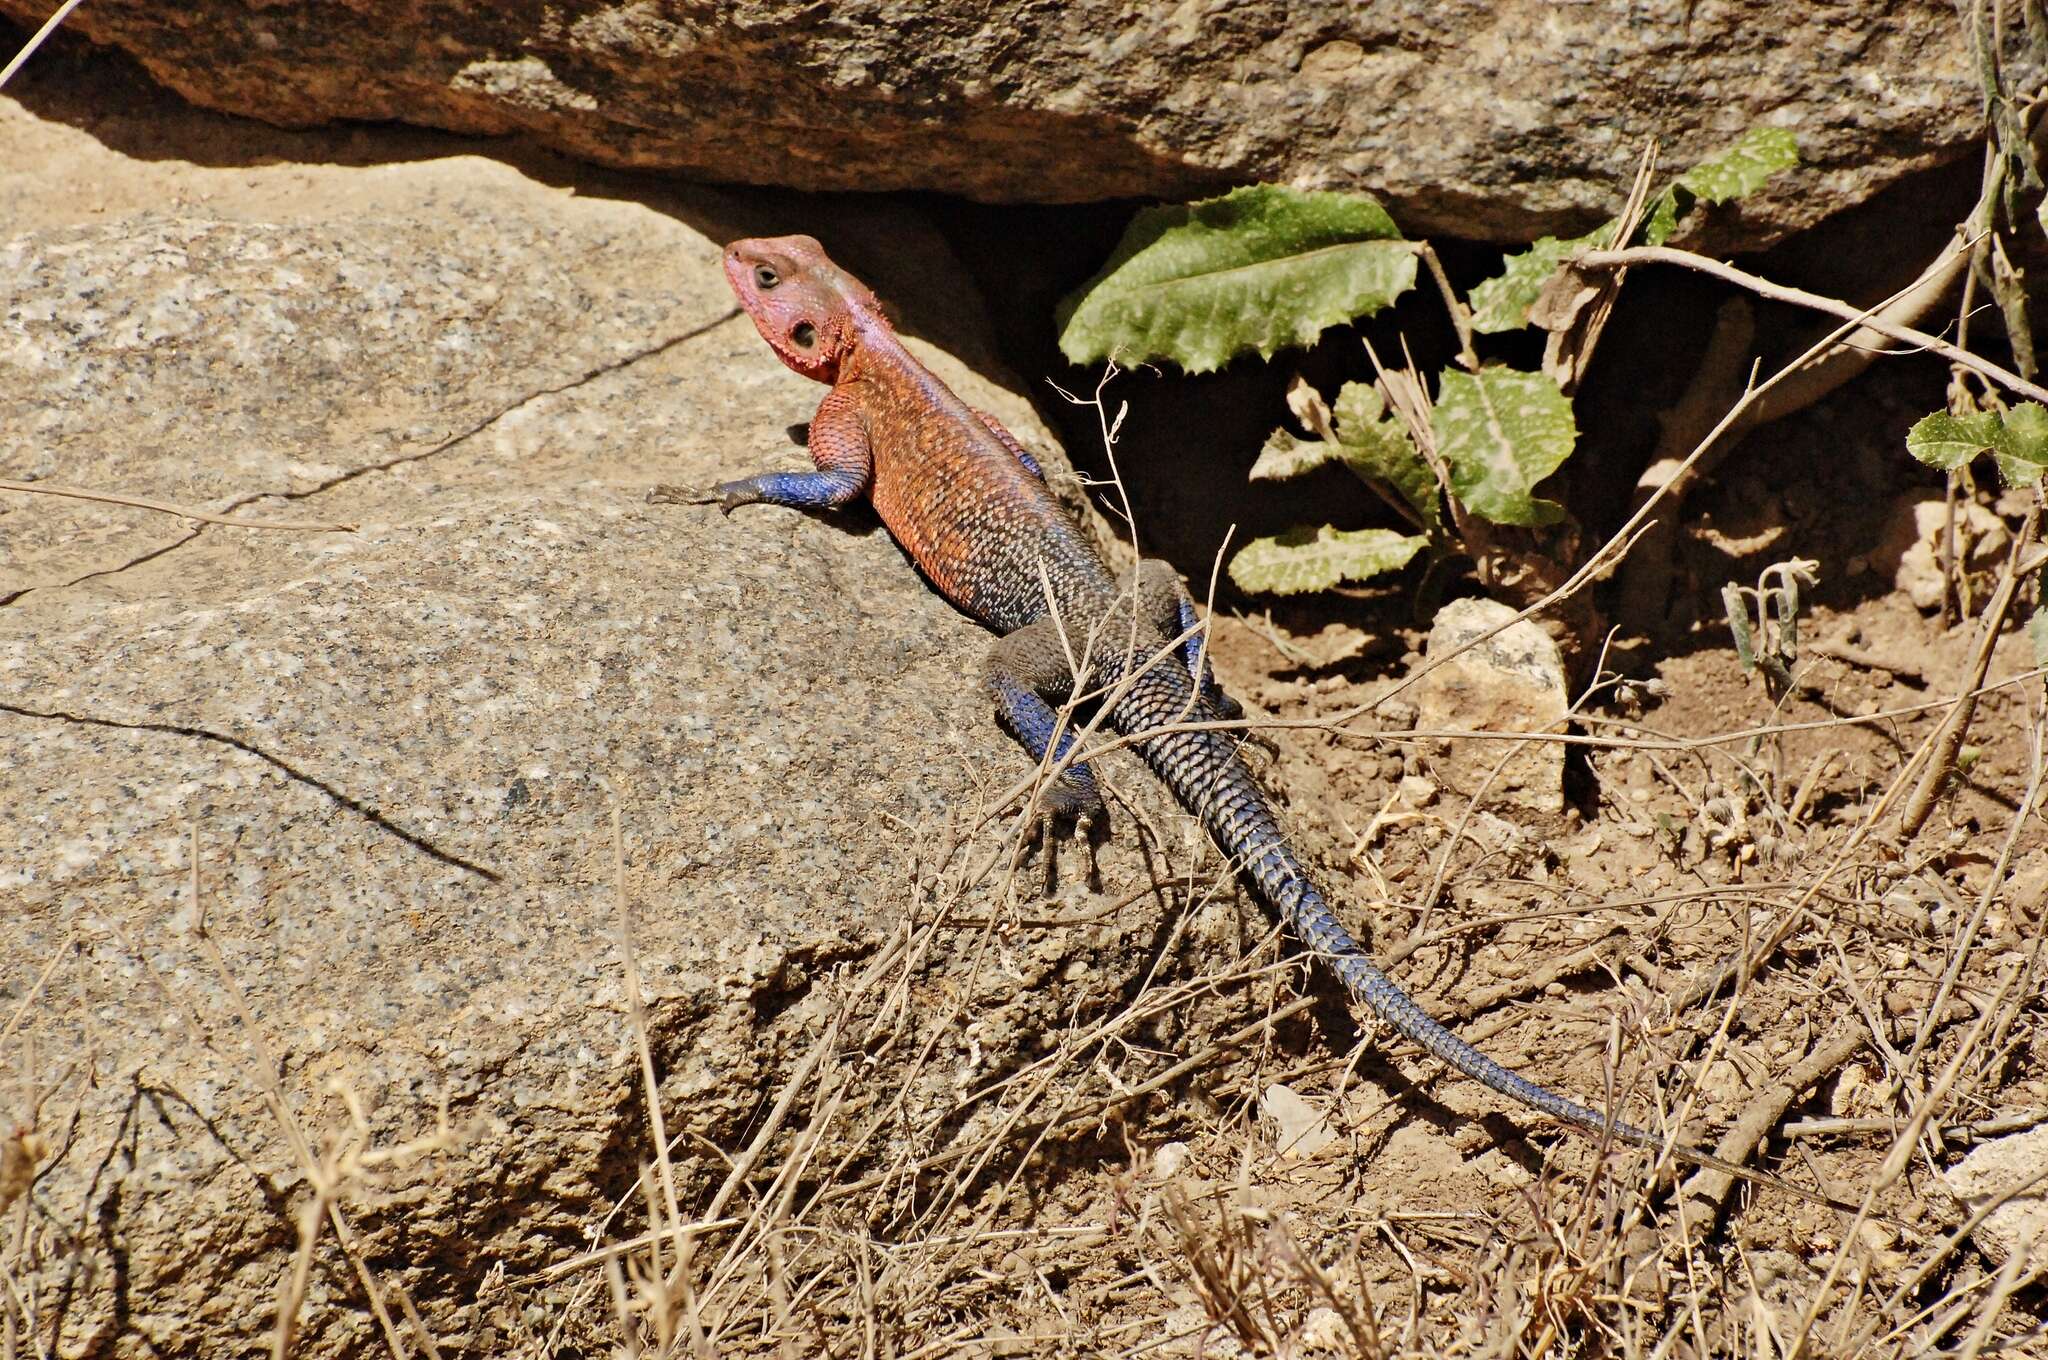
[[182, 511], [1708, 1189], [1949, 740], [1224, 1268], [1895, 1164], [63, 952], [36, 39], [679, 1289], [325, 1175]]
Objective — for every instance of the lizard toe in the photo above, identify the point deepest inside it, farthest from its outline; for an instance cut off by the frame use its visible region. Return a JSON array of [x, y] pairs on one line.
[[670, 493], [725, 495]]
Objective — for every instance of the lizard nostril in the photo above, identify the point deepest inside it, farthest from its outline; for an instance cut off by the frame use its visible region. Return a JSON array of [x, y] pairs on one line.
[[804, 335]]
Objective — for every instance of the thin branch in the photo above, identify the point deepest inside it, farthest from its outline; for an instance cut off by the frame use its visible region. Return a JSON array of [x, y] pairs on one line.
[[1461, 315], [1936, 777], [1799, 297]]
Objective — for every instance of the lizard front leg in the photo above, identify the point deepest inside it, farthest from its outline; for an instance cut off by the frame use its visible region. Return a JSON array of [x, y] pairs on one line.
[[1024, 669], [839, 447]]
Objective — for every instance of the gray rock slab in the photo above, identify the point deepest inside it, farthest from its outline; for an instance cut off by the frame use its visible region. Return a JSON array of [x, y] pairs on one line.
[[398, 752], [1501, 121], [2019, 1226]]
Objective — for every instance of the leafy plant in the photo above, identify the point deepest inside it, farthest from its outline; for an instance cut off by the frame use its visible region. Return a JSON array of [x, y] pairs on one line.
[[2016, 439], [1977, 419], [1502, 303], [1767, 640], [1267, 267]]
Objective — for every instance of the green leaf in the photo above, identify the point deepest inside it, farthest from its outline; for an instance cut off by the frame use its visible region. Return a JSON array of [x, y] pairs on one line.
[[1947, 442], [1377, 446], [1738, 624], [2037, 633], [1285, 456], [1374, 446], [2018, 443], [1500, 432], [1258, 269], [1742, 169], [2022, 447], [1660, 219], [1502, 303], [1305, 559]]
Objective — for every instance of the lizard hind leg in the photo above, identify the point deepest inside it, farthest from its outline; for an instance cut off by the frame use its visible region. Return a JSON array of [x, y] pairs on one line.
[[1164, 601], [1023, 671]]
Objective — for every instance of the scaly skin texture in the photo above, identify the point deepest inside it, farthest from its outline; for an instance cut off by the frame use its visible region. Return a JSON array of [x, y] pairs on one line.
[[966, 501]]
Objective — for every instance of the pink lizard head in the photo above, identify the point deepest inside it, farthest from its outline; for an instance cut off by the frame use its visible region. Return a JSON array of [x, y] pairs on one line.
[[809, 310]]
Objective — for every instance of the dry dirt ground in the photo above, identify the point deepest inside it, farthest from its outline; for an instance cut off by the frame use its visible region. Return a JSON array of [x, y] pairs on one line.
[[1710, 824]]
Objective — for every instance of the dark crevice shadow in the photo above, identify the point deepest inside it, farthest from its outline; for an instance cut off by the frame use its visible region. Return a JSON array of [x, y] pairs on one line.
[[359, 808]]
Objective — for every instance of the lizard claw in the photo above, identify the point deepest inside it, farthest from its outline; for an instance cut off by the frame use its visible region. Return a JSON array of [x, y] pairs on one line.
[[673, 494]]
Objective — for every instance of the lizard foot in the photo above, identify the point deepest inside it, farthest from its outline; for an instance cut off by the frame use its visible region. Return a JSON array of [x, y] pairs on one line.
[[671, 494], [1070, 800]]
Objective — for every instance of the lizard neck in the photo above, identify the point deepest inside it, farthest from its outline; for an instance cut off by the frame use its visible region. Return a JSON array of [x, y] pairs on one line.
[[880, 357]]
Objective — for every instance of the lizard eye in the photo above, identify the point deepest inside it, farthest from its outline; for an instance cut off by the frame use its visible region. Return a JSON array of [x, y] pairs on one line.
[[804, 334], [764, 277]]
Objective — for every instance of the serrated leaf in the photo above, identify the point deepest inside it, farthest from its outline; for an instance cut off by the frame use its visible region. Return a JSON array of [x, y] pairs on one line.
[[1285, 456], [1305, 559], [1256, 270], [2022, 446], [1500, 431], [1502, 303], [1947, 442], [1742, 169], [2018, 442], [1377, 446], [1358, 407]]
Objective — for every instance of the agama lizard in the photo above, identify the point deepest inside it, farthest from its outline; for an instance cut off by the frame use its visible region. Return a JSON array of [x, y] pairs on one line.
[[970, 506]]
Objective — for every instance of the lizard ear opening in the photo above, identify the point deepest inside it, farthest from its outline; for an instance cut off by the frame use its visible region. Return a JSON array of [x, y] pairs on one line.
[[803, 335]]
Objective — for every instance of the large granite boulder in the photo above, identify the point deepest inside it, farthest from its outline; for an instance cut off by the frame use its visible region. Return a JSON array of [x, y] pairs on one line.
[[397, 752], [1500, 121]]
